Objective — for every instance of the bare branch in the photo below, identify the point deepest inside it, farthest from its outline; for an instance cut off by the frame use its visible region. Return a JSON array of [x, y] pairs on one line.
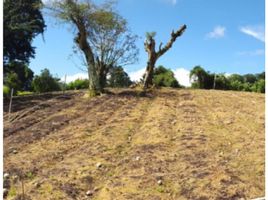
[[173, 38]]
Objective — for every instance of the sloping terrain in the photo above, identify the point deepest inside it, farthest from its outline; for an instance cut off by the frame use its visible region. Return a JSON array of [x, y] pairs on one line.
[[170, 144]]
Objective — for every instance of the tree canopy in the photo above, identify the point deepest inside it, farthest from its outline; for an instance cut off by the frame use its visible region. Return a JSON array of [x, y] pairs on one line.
[[164, 77], [23, 21], [118, 78], [102, 36], [205, 80]]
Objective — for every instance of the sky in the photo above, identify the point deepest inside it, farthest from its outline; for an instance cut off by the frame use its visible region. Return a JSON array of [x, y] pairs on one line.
[[223, 36]]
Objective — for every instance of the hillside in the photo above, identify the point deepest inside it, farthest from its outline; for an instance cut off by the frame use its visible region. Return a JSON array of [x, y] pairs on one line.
[[171, 144]]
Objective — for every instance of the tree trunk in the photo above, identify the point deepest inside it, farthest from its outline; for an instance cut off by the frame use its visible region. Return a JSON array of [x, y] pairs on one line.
[[81, 40], [94, 85], [148, 79], [153, 55]]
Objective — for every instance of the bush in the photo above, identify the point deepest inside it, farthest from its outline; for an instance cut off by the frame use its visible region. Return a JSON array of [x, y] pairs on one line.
[[259, 86], [78, 84], [45, 82], [164, 78]]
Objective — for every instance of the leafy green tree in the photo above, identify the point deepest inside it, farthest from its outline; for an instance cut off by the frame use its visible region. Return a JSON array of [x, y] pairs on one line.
[[118, 78], [259, 86], [236, 85], [23, 21], [102, 36], [236, 77], [12, 81], [260, 76], [250, 78], [23, 72], [199, 77], [78, 84], [164, 77], [221, 82], [45, 82]]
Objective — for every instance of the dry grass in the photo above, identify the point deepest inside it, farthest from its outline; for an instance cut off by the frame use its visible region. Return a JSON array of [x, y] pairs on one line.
[[201, 144]]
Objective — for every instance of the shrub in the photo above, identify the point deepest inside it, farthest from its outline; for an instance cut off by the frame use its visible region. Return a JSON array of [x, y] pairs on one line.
[[78, 84], [165, 78], [45, 82]]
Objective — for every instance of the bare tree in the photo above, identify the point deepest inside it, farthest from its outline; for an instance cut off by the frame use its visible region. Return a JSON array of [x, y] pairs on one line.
[[153, 55], [102, 36]]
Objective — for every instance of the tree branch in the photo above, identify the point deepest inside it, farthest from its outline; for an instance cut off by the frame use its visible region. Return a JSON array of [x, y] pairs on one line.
[[173, 38]]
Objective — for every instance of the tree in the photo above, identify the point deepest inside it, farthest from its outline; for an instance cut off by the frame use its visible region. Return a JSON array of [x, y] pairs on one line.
[[154, 55], [164, 77], [199, 77], [45, 82], [259, 86], [221, 82], [102, 36], [23, 21], [250, 78], [23, 73], [118, 78], [12, 81]]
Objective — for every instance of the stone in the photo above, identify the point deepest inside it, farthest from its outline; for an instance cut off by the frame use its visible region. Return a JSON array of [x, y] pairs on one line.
[[6, 175], [5, 192], [89, 193], [15, 151], [159, 182], [137, 158], [98, 165]]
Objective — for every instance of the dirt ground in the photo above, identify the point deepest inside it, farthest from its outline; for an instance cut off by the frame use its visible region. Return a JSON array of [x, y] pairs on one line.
[[170, 144]]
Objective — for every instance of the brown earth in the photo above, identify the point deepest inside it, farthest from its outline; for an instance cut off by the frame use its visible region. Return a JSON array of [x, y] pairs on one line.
[[169, 144]]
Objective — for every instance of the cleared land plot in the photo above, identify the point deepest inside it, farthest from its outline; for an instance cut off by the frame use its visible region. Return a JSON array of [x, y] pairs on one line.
[[170, 144]]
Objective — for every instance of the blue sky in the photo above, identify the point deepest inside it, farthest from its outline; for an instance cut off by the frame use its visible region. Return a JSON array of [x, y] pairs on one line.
[[222, 36]]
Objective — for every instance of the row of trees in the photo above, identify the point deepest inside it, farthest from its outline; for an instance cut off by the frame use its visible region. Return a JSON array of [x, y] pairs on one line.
[[105, 41], [46, 82], [205, 80]]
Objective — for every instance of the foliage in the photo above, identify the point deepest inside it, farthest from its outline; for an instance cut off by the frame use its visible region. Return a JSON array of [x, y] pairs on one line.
[[164, 77], [249, 82], [200, 77], [24, 76], [23, 21], [6, 91], [118, 78], [221, 82], [259, 86], [102, 37], [12, 81], [22, 93], [45, 82], [78, 84]]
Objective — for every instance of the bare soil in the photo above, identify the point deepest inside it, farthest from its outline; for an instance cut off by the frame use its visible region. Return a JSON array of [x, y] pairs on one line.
[[170, 144]]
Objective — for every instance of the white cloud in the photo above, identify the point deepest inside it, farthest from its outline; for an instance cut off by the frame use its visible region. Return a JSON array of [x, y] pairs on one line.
[[136, 75], [254, 31], [182, 75], [71, 78], [218, 32], [257, 52]]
